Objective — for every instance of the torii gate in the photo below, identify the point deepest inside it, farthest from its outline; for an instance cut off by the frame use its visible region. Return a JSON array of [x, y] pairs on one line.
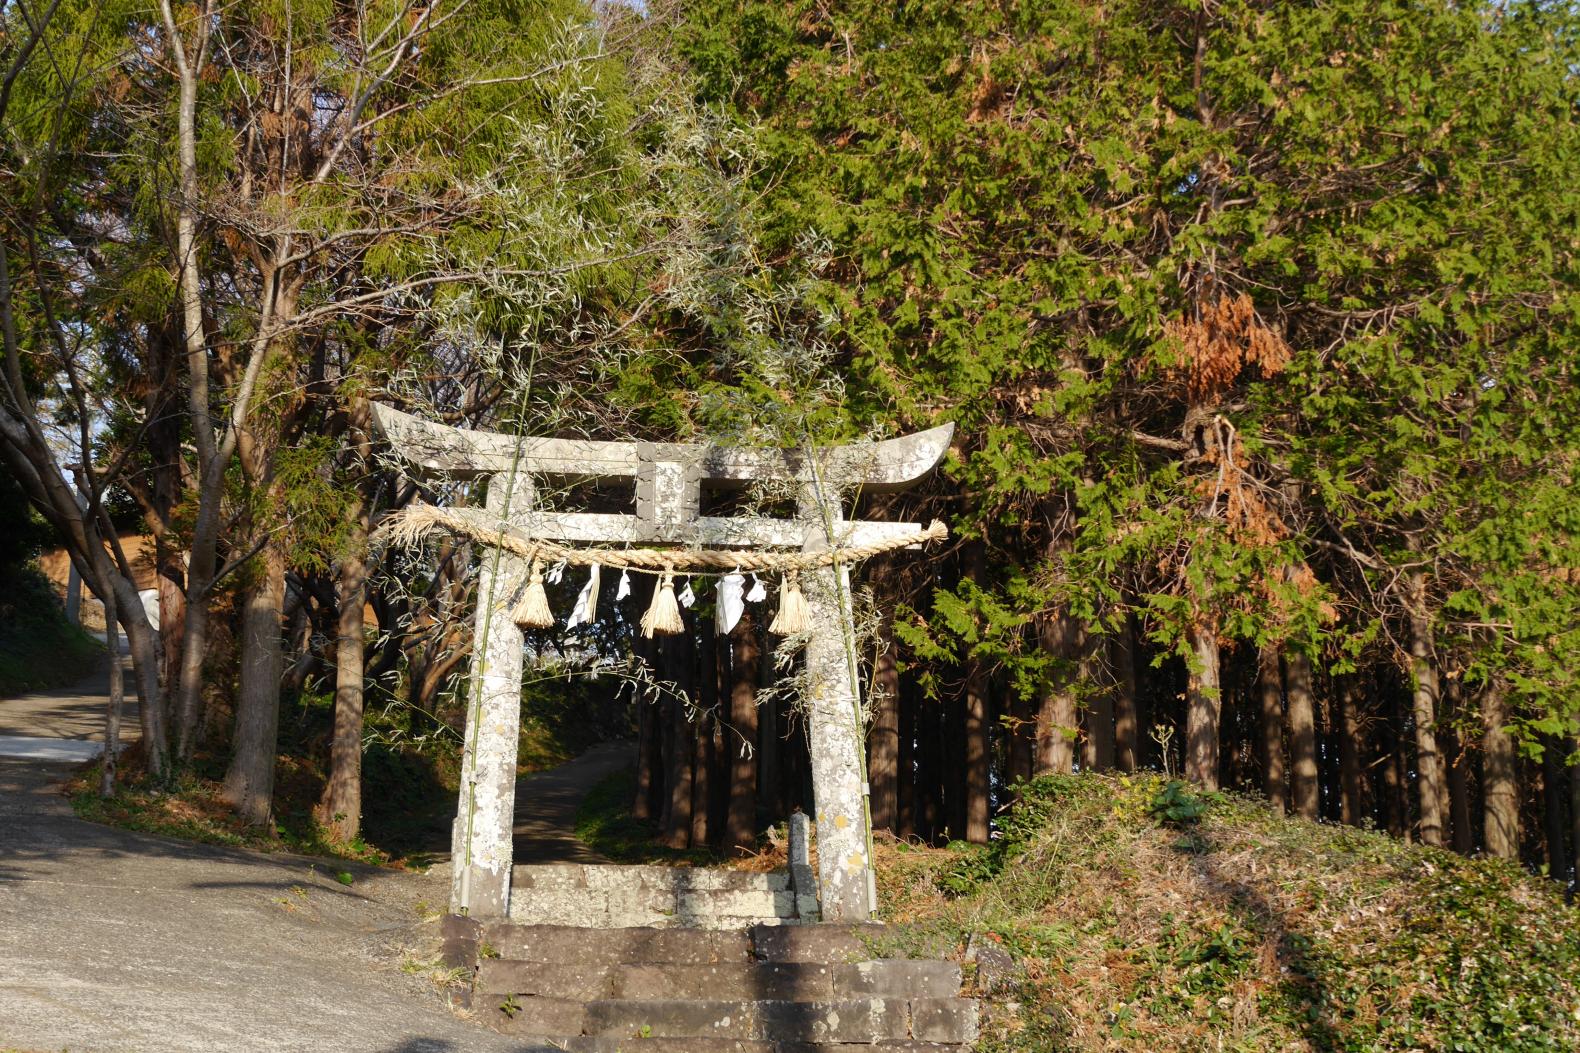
[[669, 481]]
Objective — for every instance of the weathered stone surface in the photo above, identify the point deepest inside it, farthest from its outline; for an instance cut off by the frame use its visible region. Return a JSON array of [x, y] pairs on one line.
[[944, 1019], [844, 1020], [898, 978], [996, 969], [624, 897], [774, 980], [838, 1020], [829, 943], [460, 937], [481, 837], [621, 1044], [533, 1016], [584, 983], [740, 904], [564, 943], [833, 707], [440, 450]]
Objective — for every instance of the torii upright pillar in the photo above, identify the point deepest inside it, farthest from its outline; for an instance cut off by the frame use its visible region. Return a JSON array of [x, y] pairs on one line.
[[669, 479]]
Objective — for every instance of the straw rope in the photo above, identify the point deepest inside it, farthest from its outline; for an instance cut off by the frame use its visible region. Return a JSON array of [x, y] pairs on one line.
[[408, 527]]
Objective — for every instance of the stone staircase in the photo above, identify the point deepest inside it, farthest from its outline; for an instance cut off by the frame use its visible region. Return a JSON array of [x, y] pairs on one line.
[[614, 897], [724, 963]]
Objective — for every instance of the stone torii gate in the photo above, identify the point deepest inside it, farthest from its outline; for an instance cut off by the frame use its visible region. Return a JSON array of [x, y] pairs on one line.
[[669, 479]]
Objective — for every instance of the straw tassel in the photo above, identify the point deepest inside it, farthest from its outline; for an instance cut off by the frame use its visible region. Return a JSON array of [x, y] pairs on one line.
[[663, 616], [793, 613], [533, 610]]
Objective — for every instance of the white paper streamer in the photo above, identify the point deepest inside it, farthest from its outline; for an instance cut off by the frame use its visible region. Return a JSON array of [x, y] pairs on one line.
[[686, 596], [624, 588], [730, 605], [759, 591], [587, 600], [555, 573]]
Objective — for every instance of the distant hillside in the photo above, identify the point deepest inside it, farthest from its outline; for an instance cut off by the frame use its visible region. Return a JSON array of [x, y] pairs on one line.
[[1148, 918], [39, 648]]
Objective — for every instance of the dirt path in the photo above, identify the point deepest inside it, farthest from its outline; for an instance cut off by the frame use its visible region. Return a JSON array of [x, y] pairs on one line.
[[123, 942], [546, 804]]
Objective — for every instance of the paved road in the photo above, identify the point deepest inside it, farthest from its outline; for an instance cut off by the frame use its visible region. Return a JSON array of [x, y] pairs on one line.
[[119, 942]]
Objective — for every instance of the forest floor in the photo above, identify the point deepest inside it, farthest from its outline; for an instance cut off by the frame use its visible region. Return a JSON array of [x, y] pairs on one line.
[[122, 941]]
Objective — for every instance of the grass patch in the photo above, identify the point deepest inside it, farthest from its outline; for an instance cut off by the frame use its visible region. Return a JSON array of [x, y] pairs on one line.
[[191, 810], [1146, 916], [39, 649]]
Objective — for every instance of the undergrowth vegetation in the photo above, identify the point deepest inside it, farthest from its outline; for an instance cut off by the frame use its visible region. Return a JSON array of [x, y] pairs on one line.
[[410, 778], [1148, 917]]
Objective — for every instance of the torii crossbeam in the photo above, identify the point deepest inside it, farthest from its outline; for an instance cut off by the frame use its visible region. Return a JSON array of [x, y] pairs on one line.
[[669, 481]]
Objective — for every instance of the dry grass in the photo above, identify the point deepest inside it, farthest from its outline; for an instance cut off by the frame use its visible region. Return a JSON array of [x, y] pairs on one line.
[[1244, 931]]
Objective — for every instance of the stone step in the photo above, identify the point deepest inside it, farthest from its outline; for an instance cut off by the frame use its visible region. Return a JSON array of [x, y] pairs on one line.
[[858, 1020], [612, 1044], [639, 906], [574, 945], [785, 981], [673, 879], [829, 944], [848, 1020]]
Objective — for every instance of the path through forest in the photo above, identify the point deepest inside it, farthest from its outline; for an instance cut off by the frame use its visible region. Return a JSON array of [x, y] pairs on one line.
[[118, 941]]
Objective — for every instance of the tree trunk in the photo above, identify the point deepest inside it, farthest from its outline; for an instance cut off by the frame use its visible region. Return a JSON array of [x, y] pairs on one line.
[[1459, 796], [1203, 708], [1573, 747], [1457, 763], [1428, 762], [1554, 799], [883, 741], [1352, 795], [907, 779], [1270, 710], [1097, 752], [341, 807], [1500, 780], [742, 821], [701, 778], [680, 744], [1305, 796], [172, 612], [249, 782], [1127, 721], [112, 713], [978, 783], [1056, 714], [649, 742], [705, 668]]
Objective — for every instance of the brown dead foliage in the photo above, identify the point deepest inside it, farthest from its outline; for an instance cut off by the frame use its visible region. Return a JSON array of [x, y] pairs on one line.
[[1219, 338]]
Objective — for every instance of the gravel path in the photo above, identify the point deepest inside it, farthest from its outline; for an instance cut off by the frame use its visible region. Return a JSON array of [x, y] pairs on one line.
[[123, 942]]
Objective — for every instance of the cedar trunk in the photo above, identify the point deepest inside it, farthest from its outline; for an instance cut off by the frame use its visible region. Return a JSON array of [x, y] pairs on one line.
[[1097, 753], [1203, 707], [1305, 797], [1499, 779], [883, 741], [1270, 709], [1127, 721], [249, 782], [342, 801], [1424, 695], [742, 820], [1352, 796], [1056, 716]]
